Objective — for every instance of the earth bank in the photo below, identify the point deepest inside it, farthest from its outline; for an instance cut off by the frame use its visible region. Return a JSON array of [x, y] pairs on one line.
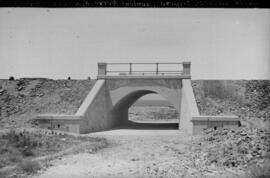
[[242, 152]]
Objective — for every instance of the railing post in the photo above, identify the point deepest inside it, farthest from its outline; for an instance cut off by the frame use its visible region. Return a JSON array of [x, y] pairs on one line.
[[130, 68], [157, 68], [102, 68], [186, 68]]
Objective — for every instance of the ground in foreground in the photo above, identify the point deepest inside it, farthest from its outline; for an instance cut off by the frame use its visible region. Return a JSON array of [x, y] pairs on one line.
[[137, 153], [25, 151]]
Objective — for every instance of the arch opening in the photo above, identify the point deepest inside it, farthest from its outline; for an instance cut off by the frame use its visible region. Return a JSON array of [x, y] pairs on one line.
[[135, 111]]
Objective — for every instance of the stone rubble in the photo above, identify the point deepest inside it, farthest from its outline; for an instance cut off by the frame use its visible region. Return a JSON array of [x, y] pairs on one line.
[[246, 99], [22, 99], [235, 149]]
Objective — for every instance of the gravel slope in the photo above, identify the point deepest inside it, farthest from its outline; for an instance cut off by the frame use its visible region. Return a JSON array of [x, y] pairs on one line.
[[248, 99], [21, 100]]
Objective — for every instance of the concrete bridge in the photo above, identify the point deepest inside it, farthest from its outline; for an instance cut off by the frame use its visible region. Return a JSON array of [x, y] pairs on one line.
[[107, 104]]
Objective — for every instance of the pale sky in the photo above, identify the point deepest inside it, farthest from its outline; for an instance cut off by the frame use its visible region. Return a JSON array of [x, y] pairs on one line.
[[57, 43]]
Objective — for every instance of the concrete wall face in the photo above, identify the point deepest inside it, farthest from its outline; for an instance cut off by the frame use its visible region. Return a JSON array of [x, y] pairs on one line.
[[188, 107], [61, 125], [68, 123], [185, 115], [108, 104], [200, 126], [173, 96], [124, 93], [168, 88], [97, 116]]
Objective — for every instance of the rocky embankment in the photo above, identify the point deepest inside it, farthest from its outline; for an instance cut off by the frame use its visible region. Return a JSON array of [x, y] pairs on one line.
[[246, 148], [248, 99], [22, 99]]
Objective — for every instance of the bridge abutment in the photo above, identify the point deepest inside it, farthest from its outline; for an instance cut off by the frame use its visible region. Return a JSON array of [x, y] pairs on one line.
[[107, 104]]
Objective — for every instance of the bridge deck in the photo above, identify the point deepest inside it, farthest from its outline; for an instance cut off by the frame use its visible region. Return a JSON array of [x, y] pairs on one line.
[[144, 77], [144, 70]]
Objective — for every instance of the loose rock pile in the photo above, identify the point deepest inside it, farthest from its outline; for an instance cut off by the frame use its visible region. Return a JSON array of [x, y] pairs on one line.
[[239, 148]]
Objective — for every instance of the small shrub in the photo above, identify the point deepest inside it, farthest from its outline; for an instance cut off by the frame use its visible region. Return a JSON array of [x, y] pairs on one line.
[[29, 166], [27, 152], [15, 158], [11, 78]]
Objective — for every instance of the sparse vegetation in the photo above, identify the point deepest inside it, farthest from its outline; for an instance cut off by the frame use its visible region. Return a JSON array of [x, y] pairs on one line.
[[138, 113], [21, 147], [21, 100], [30, 167], [11, 78], [239, 149], [246, 148], [258, 93], [240, 97]]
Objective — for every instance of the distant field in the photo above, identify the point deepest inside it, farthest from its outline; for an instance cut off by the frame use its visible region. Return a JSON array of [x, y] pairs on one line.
[[152, 113], [152, 103]]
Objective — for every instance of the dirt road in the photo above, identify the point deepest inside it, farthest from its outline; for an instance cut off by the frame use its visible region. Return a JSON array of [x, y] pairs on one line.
[[128, 155], [133, 153]]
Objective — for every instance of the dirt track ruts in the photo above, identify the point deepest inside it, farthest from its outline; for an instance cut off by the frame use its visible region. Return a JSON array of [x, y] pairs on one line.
[[133, 153]]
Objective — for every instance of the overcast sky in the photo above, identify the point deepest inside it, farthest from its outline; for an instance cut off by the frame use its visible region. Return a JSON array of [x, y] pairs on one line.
[[57, 43]]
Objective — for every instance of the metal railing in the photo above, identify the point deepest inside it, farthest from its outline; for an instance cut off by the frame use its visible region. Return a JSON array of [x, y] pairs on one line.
[[129, 68], [157, 71]]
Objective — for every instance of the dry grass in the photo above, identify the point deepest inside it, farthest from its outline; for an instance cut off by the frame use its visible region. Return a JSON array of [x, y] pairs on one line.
[[29, 166], [20, 148], [244, 98], [155, 113]]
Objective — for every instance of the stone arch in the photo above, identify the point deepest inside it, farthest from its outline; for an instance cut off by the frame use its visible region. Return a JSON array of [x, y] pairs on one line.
[[124, 97], [129, 99]]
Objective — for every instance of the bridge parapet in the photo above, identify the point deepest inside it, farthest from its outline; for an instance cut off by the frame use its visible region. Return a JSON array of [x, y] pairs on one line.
[[144, 70]]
